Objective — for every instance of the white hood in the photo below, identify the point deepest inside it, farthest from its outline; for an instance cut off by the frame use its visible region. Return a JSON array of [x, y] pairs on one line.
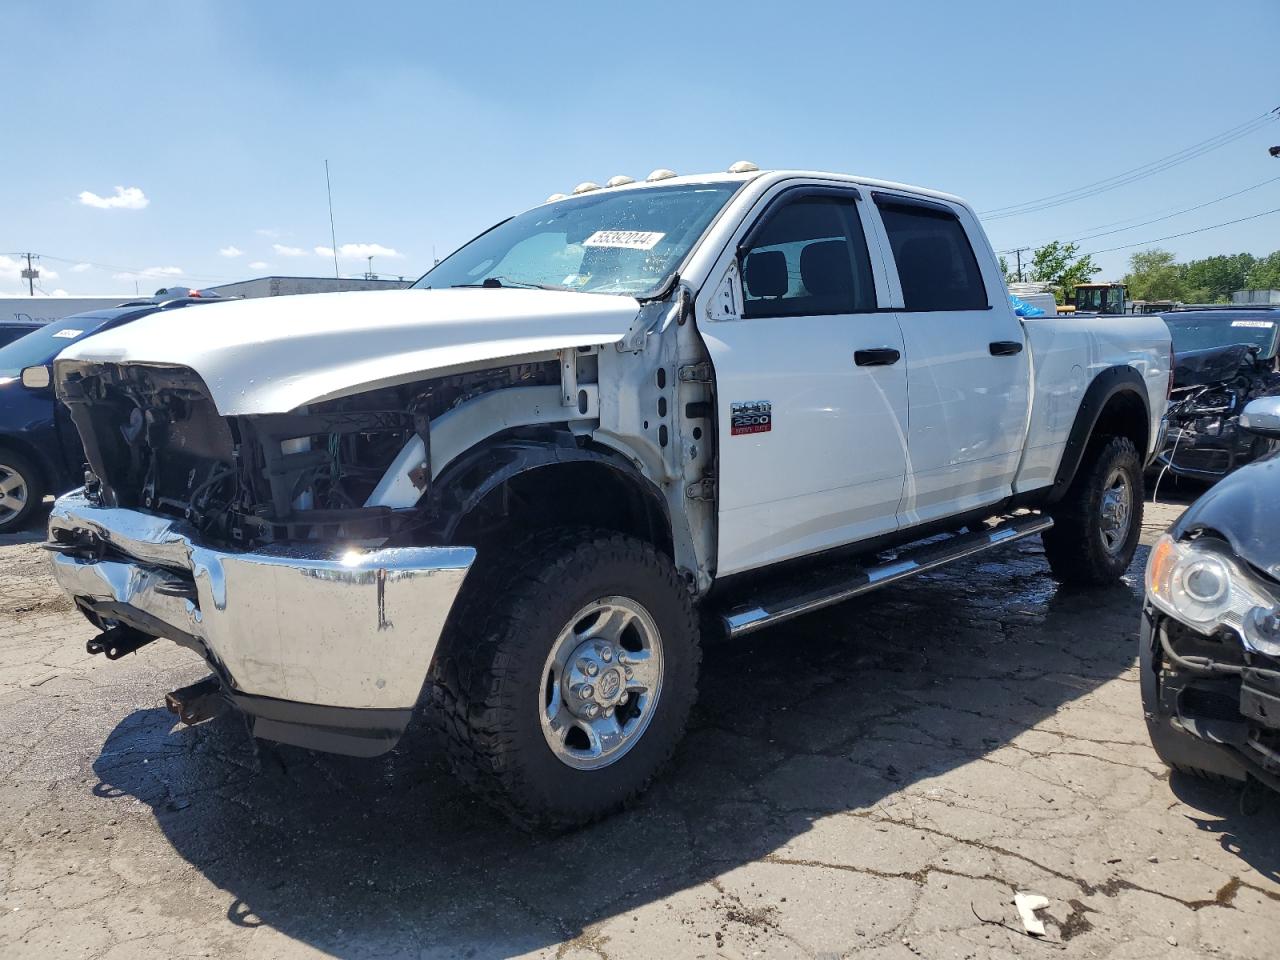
[[275, 354]]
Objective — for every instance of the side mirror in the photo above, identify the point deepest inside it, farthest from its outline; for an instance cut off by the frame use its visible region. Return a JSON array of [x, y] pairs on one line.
[[37, 378], [1262, 416]]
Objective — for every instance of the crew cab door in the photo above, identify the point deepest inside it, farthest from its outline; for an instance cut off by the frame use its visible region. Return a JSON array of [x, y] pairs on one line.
[[811, 386], [968, 366]]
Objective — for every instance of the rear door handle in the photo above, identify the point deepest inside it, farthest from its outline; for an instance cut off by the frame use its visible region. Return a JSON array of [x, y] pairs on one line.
[[876, 357], [1006, 348]]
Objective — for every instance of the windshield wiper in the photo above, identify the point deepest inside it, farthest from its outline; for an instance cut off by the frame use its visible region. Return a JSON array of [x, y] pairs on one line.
[[497, 282]]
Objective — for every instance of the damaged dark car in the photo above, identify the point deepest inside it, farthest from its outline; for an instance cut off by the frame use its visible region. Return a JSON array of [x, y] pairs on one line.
[[1222, 360], [1210, 633]]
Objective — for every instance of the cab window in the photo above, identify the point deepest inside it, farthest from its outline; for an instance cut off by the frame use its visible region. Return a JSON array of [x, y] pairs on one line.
[[936, 264], [809, 258]]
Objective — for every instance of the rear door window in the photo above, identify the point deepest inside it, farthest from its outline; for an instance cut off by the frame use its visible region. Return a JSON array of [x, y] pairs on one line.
[[809, 258], [936, 264]]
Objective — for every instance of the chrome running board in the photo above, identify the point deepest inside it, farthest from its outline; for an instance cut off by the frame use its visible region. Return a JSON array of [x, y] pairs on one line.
[[845, 582]]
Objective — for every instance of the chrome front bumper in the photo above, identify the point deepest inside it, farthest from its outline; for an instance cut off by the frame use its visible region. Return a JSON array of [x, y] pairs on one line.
[[302, 627]]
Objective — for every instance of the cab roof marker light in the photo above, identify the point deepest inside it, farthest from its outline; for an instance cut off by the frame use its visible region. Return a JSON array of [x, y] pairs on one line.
[[620, 180], [662, 173], [743, 166], [556, 196], [586, 186]]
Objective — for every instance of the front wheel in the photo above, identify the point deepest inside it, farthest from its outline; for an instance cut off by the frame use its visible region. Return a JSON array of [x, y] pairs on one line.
[[1098, 522], [21, 490], [567, 675]]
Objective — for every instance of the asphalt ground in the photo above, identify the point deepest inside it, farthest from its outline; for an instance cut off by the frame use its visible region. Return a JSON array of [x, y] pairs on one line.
[[877, 780]]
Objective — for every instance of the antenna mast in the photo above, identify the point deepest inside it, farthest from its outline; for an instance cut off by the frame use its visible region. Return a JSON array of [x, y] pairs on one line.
[[333, 237]]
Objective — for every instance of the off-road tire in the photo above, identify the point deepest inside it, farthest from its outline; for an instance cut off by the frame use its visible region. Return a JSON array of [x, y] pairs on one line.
[[1074, 546], [35, 489], [486, 681]]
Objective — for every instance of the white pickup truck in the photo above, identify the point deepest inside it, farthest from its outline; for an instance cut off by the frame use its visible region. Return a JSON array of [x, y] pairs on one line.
[[519, 491]]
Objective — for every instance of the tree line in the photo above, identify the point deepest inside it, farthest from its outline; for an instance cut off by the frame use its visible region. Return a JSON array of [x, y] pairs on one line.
[[1154, 274]]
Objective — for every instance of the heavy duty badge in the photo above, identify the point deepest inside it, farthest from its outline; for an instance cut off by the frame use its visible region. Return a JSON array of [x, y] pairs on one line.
[[750, 416]]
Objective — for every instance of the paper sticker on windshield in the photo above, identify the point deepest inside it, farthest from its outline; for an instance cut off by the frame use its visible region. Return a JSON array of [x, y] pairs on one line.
[[1260, 324], [750, 416], [628, 239], [69, 334]]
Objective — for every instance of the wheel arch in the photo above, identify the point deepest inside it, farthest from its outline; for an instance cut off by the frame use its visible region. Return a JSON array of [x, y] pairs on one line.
[[528, 480], [1114, 404]]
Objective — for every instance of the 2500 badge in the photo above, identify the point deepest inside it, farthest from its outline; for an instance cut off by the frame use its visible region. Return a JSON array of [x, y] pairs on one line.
[[750, 416]]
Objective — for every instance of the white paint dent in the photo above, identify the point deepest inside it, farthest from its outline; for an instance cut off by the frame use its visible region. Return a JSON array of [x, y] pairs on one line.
[[276, 354]]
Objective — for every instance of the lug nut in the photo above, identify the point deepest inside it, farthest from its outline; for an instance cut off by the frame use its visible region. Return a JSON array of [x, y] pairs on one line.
[[592, 669], [592, 710], [608, 711], [586, 691], [623, 698], [627, 671], [580, 665], [606, 654]]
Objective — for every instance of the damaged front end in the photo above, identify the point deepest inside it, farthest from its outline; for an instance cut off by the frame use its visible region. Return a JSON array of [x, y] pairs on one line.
[[251, 540], [1210, 659], [1203, 439]]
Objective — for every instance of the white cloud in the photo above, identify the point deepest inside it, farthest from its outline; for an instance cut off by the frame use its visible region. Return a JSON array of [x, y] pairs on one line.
[[284, 251], [81, 267], [259, 265], [269, 232], [230, 251], [11, 269], [59, 293], [359, 251], [149, 273], [125, 198]]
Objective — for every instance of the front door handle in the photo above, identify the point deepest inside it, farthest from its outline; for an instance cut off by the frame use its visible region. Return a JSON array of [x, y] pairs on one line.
[[1006, 348], [876, 357]]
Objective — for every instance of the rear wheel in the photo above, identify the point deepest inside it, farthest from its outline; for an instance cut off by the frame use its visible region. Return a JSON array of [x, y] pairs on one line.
[[567, 675], [21, 490], [1098, 522]]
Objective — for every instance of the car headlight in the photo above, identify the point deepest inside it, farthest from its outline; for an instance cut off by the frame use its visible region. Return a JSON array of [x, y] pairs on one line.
[[1201, 584]]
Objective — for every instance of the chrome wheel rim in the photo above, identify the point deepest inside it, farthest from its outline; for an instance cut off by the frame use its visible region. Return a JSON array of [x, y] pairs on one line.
[[601, 683], [1117, 511], [13, 492]]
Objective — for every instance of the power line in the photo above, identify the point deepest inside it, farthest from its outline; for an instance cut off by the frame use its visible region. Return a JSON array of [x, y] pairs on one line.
[[1185, 233], [1137, 173], [1168, 216]]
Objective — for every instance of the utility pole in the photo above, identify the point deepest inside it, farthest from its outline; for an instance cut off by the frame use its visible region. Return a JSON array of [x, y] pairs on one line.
[[1018, 253], [369, 274], [31, 274]]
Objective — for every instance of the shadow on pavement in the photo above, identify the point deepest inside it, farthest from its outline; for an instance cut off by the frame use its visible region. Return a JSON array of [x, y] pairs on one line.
[[831, 713]]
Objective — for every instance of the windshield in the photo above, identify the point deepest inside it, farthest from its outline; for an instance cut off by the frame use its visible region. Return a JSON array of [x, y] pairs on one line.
[[1090, 298], [41, 346], [1203, 332], [623, 242]]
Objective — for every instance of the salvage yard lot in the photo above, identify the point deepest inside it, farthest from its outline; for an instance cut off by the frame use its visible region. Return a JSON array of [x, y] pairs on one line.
[[876, 780]]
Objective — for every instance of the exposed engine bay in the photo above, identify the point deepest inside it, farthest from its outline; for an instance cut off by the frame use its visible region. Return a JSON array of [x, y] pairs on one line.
[[155, 441], [1210, 388]]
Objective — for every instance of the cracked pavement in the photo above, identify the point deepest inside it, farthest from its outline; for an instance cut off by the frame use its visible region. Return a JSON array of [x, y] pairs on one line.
[[876, 780]]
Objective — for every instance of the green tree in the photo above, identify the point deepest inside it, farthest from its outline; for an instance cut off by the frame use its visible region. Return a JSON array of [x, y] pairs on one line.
[[1213, 279], [1265, 273], [1057, 264], [1009, 277], [1154, 275]]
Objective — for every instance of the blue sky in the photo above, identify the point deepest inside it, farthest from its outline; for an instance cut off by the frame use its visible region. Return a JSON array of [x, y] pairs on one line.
[[438, 120]]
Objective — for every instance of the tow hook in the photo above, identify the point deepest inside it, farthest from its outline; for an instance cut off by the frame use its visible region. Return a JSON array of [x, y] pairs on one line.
[[118, 641], [202, 700]]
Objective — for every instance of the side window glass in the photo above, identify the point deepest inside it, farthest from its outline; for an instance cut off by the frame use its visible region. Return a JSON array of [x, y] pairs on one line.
[[809, 259], [936, 265]]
